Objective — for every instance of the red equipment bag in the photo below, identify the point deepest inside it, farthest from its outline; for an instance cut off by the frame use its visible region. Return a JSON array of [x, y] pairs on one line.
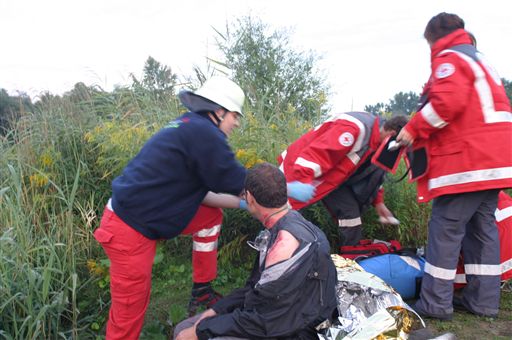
[[367, 248]]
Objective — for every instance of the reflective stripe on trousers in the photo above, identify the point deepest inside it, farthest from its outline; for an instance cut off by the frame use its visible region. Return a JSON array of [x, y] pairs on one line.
[[462, 219], [205, 230]]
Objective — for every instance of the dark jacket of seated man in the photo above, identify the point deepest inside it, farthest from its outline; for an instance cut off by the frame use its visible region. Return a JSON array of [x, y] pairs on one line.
[[286, 299]]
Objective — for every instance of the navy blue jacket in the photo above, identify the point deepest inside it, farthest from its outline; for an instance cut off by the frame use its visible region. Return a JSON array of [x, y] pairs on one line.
[[161, 189]]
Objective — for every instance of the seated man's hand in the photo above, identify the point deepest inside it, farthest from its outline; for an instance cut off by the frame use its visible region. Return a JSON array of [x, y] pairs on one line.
[[190, 333], [385, 216], [187, 334], [206, 314], [299, 191]]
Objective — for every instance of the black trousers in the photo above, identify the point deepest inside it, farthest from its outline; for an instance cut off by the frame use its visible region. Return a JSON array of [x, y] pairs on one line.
[[343, 205]]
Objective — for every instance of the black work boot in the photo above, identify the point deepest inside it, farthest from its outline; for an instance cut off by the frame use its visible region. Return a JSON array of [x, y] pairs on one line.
[[461, 306], [202, 296]]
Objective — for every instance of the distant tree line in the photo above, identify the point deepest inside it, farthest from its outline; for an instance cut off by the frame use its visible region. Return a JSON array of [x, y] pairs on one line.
[[159, 83], [11, 107], [405, 103], [274, 76], [401, 104]]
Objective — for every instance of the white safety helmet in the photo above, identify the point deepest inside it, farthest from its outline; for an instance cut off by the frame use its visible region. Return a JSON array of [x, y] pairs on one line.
[[216, 91]]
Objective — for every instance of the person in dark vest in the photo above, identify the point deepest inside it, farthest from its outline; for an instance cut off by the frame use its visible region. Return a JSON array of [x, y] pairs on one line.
[[336, 157], [291, 289], [464, 125]]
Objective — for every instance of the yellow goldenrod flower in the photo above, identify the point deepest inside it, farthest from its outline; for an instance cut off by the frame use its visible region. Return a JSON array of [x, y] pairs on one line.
[[91, 265], [38, 180], [96, 269], [46, 159]]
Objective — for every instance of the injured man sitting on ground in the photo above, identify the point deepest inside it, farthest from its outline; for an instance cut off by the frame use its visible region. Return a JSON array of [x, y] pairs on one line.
[[291, 290]]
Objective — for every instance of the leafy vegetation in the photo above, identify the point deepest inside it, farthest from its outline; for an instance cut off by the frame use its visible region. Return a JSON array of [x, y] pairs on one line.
[[11, 108], [278, 81], [401, 104], [60, 154]]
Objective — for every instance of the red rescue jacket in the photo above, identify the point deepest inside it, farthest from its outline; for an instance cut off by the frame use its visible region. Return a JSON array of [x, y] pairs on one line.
[[327, 155], [466, 124]]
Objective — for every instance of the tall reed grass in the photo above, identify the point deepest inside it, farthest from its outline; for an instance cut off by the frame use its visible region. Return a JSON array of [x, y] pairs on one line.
[[56, 167], [44, 233]]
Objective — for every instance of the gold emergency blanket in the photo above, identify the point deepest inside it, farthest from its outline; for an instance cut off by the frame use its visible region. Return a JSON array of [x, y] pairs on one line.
[[368, 307]]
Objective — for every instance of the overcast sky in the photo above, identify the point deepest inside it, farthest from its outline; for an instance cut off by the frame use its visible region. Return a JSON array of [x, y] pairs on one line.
[[371, 49]]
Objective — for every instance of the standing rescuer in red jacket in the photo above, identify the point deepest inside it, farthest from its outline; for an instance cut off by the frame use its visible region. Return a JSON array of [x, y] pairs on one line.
[[465, 126]]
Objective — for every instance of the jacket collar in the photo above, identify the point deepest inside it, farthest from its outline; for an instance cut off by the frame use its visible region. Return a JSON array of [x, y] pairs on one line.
[[457, 37]]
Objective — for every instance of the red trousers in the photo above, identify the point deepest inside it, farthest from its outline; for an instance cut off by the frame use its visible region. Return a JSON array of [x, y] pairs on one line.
[[131, 257], [205, 231]]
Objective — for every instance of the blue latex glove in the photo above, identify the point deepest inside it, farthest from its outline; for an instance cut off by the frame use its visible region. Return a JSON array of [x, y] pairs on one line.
[[243, 204], [301, 191]]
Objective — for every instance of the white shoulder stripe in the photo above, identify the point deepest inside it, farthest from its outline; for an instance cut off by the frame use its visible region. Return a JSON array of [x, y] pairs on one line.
[[362, 131], [354, 157], [503, 213], [317, 170], [484, 92]]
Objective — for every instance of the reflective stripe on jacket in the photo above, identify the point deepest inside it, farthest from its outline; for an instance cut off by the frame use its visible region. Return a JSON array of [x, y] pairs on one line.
[[466, 124], [327, 155]]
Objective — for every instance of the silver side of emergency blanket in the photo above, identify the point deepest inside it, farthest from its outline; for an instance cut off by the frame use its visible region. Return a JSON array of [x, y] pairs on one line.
[[368, 307]]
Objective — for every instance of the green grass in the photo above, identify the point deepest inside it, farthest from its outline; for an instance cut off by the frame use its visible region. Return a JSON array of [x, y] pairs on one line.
[[172, 283], [468, 326]]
